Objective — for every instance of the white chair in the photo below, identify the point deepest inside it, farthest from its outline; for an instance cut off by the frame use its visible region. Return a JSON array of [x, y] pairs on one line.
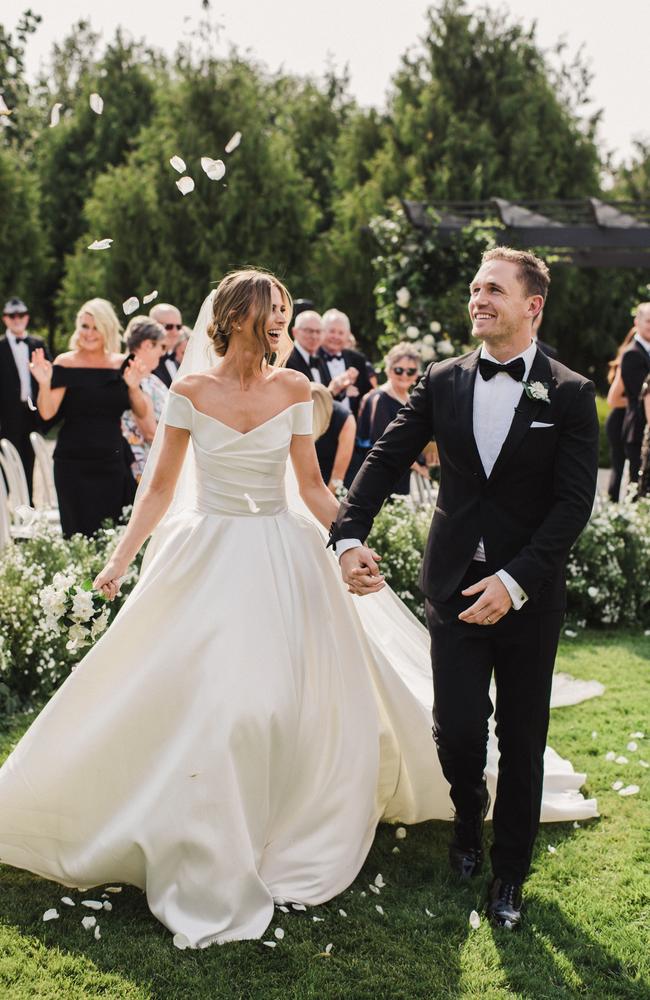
[[45, 467], [5, 520], [421, 490], [12, 467]]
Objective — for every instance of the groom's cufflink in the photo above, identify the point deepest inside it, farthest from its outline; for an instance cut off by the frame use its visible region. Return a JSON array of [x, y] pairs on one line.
[[517, 595], [344, 544]]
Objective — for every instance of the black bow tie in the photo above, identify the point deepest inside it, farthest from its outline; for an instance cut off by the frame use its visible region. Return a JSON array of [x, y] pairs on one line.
[[332, 357], [515, 369], [314, 361]]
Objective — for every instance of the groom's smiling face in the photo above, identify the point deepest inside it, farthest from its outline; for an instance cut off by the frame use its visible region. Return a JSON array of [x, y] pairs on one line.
[[499, 307]]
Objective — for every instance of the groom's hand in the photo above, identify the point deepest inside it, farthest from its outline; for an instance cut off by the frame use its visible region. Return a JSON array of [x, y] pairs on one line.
[[360, 570], [493, 604]]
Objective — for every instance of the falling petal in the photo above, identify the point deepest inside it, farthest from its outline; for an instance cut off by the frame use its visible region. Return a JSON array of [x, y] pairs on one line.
[[379, 881], [96, 103], [617, 786], [299, 906], [233, 142], [92, 904], [178, 164], [342, 913], [610, 755], [149, 298], [252, 506], [270, 944], [55, 115], [279, 933], [328, 949], [181, 941], [100, 245], [88, 922], [474, 920], [373, 888], [551, 849], [97, 933], [622, 760], [318, 920], [632, 746], [67, 901], [107, 905], [380, 910], [396, 850], [113, 888], [400, 833], [51, 915], [130, 305], [215, 169], [185, 185], [30, 405], [629, 790]]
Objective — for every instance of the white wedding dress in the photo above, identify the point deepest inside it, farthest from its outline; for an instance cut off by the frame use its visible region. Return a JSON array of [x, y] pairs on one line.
[[241, 728]]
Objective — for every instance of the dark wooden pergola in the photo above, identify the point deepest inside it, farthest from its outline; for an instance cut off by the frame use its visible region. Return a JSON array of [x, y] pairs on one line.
[[585, 233]]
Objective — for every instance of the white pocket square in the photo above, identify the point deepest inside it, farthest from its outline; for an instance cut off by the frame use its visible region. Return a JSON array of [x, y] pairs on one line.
[[535, 424]]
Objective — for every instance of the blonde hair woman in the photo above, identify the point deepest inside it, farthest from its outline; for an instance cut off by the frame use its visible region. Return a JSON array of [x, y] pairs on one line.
[[89, 387], [334, 433]]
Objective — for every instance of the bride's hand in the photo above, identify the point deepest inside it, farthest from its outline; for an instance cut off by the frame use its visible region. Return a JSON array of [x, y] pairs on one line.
[[107, 582]]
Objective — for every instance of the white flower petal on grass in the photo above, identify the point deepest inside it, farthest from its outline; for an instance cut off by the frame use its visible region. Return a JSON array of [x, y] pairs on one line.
[[379, 881], [637, 736], [100, 245], [233, 142], [594, 734], [629, 790], [474, 920], [299, 906], [373, 888], [67, 901], [130, 305], [92, 904], [363, 894], [215, 169], [113, 888], [96, 104], [146, 299], [570, 634], [632, 746], [88, 922], [284, 909], [97, 932], [178, 163], [395, 850], [400, 833], [107, 905], [270, 944], [181, 941], [610, 755], [342, 913], [55, 115], [617, 785], [185, 185], [318, 920], [51, 915], [380, 910], [622, 760], [576, 825], [644, 763], [428, 912], [279, 933], [551, 849]]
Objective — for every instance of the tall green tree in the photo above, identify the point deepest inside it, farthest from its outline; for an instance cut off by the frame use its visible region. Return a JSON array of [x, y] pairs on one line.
[[23, 256]]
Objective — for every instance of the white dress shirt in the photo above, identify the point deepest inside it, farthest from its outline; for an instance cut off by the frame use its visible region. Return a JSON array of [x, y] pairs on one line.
[[315, 374], [337, 366], [20, 350], [495, 401]]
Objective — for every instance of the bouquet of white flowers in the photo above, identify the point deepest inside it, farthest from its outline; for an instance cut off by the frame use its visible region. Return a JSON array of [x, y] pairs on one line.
[[77, 611]]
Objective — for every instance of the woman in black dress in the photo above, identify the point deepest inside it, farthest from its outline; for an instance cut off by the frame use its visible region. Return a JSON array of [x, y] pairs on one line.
[[380, 407], [90, 387], [644, 473], [617, 402]]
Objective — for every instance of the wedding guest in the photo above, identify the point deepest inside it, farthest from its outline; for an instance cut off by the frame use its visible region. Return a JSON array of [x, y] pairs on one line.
[[644, 473], [342, 361], [381, 406], [307, 334], [171, 320], [181, 346], [334, 433], [635, 367], [617, 402], [145, 341], [90, 386], [18, 413]]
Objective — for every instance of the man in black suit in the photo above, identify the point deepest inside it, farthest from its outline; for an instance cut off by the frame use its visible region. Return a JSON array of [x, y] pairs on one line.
[[18, 390], [635, 368], [170, 318], [342, 361], [517, 434], [307, 333]]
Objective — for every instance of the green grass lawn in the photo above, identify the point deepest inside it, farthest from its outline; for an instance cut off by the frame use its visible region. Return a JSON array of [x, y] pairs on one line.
[[587, 931]]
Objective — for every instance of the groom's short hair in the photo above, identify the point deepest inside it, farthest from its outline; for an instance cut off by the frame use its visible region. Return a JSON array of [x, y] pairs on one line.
[[533, 272]]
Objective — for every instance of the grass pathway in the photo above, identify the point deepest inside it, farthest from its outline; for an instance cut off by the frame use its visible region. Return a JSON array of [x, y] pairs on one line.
[[587, 932]]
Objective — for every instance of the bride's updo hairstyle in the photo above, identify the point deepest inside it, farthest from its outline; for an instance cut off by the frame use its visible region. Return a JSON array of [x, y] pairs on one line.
[[239, 293]]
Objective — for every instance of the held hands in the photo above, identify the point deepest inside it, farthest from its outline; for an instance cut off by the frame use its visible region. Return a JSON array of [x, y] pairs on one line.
[[360, 571], [134, 372], [107, 582], [491, 606], [40, 367]]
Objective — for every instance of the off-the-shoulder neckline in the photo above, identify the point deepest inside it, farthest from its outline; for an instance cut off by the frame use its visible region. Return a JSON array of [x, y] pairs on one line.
[[304, 402]]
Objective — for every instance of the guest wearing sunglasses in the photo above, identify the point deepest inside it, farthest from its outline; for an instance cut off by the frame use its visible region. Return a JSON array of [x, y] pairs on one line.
[[18, 390], [380, 407], [171, 320]]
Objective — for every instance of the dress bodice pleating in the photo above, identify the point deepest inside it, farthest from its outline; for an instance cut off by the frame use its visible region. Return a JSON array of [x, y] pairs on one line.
[[240, 474]]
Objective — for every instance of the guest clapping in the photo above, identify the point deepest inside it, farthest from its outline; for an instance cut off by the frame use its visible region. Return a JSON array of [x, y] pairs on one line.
[[145, 341], [334, 433], [90, 386], [342, 362], [617, 402], [171, 320], [635, 368]]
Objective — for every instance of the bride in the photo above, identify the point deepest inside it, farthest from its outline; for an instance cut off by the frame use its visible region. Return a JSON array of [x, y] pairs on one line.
[[243, 726]]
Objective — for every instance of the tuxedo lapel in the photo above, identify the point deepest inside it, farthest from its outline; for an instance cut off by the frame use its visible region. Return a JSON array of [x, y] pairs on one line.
[[526, 411], [465, 378]]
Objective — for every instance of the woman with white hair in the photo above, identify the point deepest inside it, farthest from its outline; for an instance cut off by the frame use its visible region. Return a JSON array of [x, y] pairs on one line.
[[90, 386]]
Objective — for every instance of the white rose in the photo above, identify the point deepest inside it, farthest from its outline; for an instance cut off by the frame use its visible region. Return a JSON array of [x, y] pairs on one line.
[[538, 390], [435, 327], [99, 624], [63, 581], [445, 347], [403, 297], [83, 606], [412, 332]]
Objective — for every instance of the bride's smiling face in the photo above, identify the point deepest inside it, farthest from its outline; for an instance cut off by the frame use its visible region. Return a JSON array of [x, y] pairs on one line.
[[275, 324]]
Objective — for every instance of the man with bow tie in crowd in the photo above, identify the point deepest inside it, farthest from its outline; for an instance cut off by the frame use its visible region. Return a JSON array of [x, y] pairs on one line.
[[343, 363], [18, 391], [170, 318]]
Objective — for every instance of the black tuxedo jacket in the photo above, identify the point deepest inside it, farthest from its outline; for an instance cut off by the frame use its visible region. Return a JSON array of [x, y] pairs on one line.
[[161, 370], [15, 418], [550, 352], [530, 510], [635, 368], [353, 359], [298, 363]]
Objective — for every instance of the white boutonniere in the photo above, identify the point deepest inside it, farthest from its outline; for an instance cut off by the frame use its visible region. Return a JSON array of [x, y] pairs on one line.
[[537, 391]]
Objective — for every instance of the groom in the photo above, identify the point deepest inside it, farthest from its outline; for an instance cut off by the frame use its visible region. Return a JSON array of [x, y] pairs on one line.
[[517, 434]]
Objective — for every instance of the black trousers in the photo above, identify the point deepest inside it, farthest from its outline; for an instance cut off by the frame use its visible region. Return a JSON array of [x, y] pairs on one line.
[[633, 455], [614, 429], [19, 437], [520, 650]]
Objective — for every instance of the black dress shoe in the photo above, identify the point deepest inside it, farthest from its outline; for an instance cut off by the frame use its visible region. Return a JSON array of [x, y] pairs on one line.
[[504, 904], [466, 848]]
